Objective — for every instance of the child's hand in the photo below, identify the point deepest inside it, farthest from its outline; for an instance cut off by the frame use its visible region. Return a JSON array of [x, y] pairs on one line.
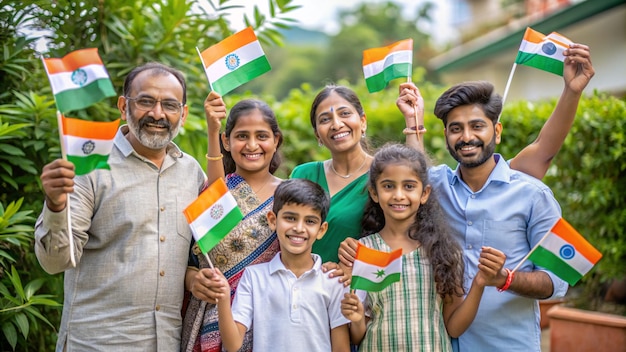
[[341, 271], [215, 111], [490, 264], [347, 251], [210, 285], [352, 307]]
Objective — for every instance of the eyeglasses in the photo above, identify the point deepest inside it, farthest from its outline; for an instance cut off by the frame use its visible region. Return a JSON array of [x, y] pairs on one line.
[[148, 103]]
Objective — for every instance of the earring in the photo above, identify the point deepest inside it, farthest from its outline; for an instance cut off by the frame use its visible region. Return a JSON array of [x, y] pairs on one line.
[[363, 134], [319, 142]]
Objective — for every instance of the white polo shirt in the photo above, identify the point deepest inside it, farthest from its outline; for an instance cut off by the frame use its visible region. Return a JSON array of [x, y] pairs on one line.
[[288, 313]]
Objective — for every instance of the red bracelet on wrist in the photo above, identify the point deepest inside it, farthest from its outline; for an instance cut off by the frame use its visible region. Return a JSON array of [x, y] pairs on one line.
[[507, 283]]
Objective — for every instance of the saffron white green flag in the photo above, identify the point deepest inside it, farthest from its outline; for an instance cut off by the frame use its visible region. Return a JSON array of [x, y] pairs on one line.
[[543, 52], [213, 215], [88, 144], [78, 80], [381, 65], [374, 270], [234, 61], [565, 252]]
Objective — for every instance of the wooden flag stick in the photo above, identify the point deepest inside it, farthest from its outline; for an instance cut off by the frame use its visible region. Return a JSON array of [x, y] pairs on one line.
[[418, 127], [506, 88], [207, 75], [67, 205], [206, 255]]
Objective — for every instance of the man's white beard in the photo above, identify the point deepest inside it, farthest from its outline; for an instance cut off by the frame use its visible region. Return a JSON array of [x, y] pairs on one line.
[[149, 140]]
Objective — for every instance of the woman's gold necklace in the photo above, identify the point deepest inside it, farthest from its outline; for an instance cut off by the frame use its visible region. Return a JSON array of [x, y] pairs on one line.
[[348, 175]]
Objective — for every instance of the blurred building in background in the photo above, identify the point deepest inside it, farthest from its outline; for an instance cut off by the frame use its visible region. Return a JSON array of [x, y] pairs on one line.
[[490, 33]]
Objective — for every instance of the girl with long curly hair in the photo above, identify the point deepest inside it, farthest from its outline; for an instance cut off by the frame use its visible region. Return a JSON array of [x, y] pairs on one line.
[[426, 307]]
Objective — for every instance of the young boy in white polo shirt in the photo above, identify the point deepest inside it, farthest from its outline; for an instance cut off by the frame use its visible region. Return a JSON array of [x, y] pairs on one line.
[[289, 301]]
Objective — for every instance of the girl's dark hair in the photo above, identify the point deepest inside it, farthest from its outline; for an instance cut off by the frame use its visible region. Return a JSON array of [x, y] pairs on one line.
[[480, 93], [346, 93], [242, 108], [430, 226]]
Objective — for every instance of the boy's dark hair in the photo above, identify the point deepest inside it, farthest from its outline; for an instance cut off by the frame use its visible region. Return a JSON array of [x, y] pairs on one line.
[[301, 191], [430, 227], [479, 93], [243, 108], [157, 69]]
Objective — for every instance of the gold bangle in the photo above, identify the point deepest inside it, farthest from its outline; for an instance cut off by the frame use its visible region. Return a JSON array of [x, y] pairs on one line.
[[214, 158], [408, 131]]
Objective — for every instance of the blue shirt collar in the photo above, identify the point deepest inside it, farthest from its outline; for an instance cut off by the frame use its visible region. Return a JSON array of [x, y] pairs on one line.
[[500, 173]]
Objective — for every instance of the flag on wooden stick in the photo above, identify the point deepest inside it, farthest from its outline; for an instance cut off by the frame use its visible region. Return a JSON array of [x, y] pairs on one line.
[[381, 65], [374, 270], [234, 61], [213, 215], [565, 252], [88, 144], [543, 52], [78, 80]]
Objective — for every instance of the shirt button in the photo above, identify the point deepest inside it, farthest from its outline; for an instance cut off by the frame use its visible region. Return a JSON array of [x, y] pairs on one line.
[[162, 273], [469, 223], [158, 307], [473, 196], [162, 238], [162, 208], [295, 306], [469, 246]]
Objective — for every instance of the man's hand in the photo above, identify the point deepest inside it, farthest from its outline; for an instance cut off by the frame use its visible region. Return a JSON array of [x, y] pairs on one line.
[[577, 67], [57, 179]]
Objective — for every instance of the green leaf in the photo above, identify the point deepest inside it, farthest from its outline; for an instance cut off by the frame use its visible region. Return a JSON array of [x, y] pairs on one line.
[[9, 149], [33, 287], [22, 323], [17, 283], [9, 332]]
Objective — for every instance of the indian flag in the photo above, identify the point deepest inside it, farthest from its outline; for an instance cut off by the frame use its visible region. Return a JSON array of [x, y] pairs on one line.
[[234, 61], [565, 252], [543, 52], [88, 144], [78, 80], [381, 65], [212, 215], [374, 270]]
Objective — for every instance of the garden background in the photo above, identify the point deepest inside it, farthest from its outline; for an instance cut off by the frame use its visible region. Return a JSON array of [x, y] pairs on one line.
[[588, 176]]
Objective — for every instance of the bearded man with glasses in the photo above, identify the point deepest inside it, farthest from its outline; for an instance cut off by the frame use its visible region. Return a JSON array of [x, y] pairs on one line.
[[130, 236]]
